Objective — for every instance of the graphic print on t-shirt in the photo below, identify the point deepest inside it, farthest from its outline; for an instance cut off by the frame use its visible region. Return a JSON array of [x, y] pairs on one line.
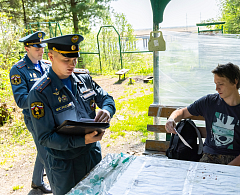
[[223, 130]]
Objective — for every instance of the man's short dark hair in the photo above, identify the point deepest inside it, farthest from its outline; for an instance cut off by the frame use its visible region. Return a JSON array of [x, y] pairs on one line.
[[230, 71]]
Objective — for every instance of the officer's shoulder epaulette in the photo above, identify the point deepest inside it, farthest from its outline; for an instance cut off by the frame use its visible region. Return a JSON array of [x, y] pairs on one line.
[[21, 64], [46, 61], [42, 84], [81, 71]]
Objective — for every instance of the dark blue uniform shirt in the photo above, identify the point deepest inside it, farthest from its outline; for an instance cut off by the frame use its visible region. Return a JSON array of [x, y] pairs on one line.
[[22, 76], [51, 102]]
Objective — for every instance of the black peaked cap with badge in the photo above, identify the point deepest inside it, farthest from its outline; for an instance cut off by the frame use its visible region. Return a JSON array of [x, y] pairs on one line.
[[34, 39], [67, 45]]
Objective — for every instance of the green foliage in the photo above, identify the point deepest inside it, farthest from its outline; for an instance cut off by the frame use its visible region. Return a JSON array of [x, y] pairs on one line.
[[89, 45], [110, 49], [109, 43], [213, 27], [13, 9], [16, 132], [144, 140], [5, 88], [231, 15], [10, 48], [76, 13]]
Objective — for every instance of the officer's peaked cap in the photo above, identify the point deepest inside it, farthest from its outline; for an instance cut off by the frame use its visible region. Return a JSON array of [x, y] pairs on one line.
[[34, 39], [67, 45]]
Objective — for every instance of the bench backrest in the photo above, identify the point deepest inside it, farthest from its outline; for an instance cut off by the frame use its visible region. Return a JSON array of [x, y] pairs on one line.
[[165, 112]]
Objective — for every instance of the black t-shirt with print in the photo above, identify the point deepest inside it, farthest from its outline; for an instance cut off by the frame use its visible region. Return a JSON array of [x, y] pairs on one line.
[[222, 124]]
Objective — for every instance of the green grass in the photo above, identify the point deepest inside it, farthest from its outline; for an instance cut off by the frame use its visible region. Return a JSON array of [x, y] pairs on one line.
[[15, 135], [135, 112]]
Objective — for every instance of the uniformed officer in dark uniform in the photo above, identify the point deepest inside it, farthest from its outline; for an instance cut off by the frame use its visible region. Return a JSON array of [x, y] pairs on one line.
[[23, 75], [63, 95]]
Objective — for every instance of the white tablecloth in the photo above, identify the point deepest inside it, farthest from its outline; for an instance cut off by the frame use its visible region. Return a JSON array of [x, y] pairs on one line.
[[146, 175]]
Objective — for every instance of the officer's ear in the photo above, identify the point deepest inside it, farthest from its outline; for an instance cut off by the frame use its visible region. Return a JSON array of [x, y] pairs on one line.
[[50, 55], [26, 48]]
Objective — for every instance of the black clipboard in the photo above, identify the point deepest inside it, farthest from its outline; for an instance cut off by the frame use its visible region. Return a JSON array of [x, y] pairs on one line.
[[82, 128]]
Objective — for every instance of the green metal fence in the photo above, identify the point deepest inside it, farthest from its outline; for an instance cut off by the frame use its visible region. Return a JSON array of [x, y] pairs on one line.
[[52, 30]]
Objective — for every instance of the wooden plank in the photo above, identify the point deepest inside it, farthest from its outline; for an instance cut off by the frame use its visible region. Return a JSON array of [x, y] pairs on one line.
[[161, 129], [161, 146], [156, 128], [165, 111], [197, 118], [160, 111], [121, 72], [154, 152]]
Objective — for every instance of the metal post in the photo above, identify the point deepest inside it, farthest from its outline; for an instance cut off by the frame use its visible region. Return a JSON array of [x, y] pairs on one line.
[[56, 30], [156, 79], [38, 25], [26, 31], [50, 29], [59, 29], [158, 7], [30, 27], [99, 54], [119, 42]]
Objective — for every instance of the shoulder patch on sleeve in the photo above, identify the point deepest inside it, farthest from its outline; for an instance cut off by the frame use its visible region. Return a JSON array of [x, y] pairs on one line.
[[37, 109], [21, 64], [43, 84], [81, 71], [16, 79]]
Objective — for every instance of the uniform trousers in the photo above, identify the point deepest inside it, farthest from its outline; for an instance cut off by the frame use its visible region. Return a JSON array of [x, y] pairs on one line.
[[40, 161], [64, 174]]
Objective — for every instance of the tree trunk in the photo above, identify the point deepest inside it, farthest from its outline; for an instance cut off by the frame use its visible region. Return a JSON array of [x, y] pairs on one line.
[[24, 14], [75, 18]]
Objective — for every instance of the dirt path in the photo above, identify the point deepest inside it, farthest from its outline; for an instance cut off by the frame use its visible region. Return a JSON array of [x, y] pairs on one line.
[[19, 173]]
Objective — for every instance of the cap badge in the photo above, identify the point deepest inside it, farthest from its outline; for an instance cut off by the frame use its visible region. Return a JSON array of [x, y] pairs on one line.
[[74, 39], [73, 47], [39, 35]]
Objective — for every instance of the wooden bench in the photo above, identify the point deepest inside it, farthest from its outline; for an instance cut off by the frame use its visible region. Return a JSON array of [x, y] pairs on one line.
[[122, 72], [160, 146]]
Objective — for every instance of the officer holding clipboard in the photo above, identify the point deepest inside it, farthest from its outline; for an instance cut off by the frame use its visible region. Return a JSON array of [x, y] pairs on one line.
[[63, 95]]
